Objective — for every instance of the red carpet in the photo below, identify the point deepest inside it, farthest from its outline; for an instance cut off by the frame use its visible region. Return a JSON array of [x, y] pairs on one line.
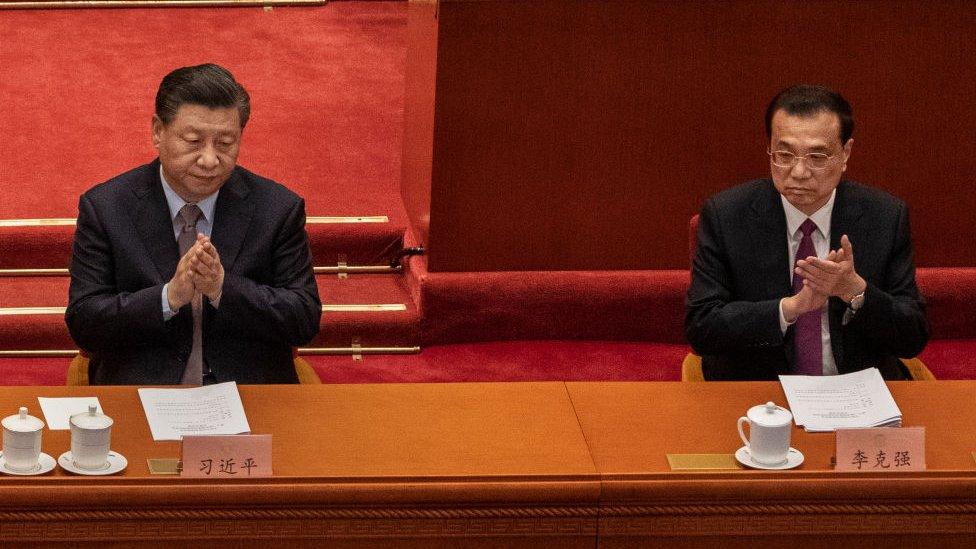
[[511, 361], [326, 83], [369, 329], [34, 371]]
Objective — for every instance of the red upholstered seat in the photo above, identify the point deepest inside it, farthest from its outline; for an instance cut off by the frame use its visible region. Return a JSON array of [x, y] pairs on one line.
[[951, 358]]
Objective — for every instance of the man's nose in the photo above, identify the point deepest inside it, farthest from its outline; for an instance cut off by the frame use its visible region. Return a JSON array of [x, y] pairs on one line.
[[208, 158], [800, 169]]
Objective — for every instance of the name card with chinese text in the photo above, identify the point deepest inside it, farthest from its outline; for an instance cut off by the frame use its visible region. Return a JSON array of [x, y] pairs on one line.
[[227, 456], [881, 449]]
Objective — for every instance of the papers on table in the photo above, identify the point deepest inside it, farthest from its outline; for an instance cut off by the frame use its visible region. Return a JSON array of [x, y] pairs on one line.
[[57, 411], [208, 410], [849, 401]]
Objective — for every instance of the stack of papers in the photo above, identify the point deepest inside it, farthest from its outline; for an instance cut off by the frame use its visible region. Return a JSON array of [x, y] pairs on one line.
[[849, 401], [208, 410]]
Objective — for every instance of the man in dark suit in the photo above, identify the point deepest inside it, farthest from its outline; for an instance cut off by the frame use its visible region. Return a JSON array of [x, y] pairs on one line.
[[776, 285], [191, 269]]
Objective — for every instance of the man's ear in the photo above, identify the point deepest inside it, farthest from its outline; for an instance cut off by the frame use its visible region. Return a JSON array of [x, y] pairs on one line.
[[847, 151], [157, 131]]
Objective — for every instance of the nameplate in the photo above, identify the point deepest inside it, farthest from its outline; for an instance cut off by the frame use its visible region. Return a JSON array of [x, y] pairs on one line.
[[227, 456], [164, 466], [881, 449]]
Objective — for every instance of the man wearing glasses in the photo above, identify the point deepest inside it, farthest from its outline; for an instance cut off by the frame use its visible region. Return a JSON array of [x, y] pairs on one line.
[[804, 273]]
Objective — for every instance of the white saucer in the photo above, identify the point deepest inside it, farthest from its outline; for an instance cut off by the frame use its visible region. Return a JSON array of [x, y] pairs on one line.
[[793, 459], [45, 464], [116, 463]]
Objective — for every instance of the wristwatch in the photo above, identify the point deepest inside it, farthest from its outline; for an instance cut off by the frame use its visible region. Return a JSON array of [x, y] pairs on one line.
[[856, 302]]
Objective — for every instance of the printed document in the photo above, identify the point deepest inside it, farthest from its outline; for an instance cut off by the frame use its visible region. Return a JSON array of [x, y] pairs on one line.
[[849, 401], [208, 410]]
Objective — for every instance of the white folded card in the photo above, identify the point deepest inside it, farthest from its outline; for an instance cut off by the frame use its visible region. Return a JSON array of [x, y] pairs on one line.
[[208, 410], [57, 411]]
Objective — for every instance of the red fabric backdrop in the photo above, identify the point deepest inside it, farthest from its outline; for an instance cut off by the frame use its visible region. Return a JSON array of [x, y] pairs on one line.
[[326, 85], [583, 135]]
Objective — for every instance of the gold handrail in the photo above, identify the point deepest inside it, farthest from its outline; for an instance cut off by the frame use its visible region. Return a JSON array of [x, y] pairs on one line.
[[332, 308], [32, 310], [331, 269], [308, 351], [39, 353], [358, 350], [88, 4], [49, 222], [34, 272], [328, 220], [364, 308], [312, 219]]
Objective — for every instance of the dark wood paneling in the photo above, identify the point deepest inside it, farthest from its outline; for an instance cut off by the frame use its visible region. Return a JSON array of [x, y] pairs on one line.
[[583, 134]]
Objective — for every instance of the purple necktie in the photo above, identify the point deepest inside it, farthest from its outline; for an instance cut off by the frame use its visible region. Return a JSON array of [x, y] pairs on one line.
[[808, 344], [193, 375]]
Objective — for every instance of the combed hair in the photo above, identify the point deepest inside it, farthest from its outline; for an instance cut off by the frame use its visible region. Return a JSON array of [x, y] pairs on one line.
[[807, 100], [208, 85]]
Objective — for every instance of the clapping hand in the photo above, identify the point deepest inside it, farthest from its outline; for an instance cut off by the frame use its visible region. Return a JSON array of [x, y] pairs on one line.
[[206, 271], [833, 275]]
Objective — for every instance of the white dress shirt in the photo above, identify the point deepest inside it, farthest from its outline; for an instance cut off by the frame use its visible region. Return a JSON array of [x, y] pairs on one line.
[[204, 225], [821, 244]]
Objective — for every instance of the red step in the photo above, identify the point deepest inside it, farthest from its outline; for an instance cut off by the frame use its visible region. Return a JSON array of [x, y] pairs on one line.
[[511, 361], [393, 328], [49, 246], [46, 330], [34, 371]]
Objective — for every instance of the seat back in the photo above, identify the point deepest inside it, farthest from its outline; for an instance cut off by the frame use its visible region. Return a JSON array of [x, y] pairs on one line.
[[691, 369]]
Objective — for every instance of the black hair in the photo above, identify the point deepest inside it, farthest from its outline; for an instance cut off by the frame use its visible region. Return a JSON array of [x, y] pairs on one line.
[[208, 85], [807, 100]]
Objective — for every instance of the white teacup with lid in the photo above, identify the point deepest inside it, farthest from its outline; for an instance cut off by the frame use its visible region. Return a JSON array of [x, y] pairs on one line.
[[769, 433], [91, 435], [22, 441]]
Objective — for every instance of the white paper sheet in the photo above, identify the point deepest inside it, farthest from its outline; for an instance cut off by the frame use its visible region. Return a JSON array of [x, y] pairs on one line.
[[208, 410], [57, 411], [849, 401]]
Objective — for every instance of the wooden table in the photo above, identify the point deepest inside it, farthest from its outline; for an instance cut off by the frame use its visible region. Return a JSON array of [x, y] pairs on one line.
[[502, 464], [631, 427]]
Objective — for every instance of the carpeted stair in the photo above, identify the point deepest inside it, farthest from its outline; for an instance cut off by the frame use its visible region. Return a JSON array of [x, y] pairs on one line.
[[373, 310]]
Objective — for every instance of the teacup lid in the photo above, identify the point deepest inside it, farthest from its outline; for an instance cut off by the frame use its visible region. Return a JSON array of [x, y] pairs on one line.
[[91, 419], [769, 415], [22, 423]]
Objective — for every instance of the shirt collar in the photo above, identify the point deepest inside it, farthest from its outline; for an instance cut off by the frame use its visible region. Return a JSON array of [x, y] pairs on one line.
[[176, 202], [795, 218]]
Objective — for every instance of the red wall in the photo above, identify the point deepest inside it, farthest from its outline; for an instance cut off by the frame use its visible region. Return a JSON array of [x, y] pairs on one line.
[[572, 134], [418, 113]]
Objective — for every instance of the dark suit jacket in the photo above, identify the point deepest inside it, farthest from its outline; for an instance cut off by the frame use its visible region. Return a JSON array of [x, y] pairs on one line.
[[741, 271], [125, 251]]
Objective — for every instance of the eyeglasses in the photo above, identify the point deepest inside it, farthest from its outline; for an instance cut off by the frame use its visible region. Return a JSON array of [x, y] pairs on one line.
[[786, 159]]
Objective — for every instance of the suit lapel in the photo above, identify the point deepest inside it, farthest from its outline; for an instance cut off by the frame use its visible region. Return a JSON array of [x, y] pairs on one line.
[[232, 217], [768, 233], [844, 218], [150, 216]]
